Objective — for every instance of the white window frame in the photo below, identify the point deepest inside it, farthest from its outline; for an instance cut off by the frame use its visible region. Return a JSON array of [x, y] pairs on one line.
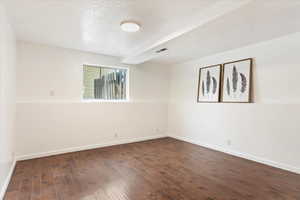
[[105, 100]]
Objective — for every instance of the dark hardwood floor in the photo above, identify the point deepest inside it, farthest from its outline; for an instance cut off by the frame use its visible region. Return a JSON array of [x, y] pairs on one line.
[[162, 169]]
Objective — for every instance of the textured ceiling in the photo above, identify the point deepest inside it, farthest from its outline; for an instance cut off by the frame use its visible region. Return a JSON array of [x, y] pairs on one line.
[[257, 21], [93, 25], [189, 29]]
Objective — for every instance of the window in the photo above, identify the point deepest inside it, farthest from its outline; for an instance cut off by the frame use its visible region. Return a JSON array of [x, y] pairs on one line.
[[104, 83]]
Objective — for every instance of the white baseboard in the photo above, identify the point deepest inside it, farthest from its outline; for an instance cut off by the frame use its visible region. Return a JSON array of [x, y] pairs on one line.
[[239, 154], [7, 180], [87, 147]]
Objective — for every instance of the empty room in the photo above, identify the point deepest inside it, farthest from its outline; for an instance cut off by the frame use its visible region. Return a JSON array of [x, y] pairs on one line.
[[149, 100]]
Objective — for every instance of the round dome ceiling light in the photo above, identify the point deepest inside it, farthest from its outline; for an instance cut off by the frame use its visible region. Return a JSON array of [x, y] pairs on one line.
[[129, 26]]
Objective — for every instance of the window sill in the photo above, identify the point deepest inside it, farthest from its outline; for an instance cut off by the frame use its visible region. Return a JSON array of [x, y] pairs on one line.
[[104, 101]]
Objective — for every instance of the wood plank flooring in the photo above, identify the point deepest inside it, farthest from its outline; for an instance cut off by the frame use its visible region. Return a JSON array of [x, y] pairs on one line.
[[162, 169]]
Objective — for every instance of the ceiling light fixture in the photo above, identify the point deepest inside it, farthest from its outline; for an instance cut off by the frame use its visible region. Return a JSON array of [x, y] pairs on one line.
[[129, 26]]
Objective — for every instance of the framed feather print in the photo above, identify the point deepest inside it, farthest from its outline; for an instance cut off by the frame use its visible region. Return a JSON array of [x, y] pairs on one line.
[[236, 84], [209, 84]]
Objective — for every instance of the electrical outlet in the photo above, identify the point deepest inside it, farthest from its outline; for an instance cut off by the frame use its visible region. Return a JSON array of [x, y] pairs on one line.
[[52, 93], [229, 142]]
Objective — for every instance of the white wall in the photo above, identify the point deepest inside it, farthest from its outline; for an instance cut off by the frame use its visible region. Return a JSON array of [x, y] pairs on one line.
[[7, 98], [267, 130], [52, 123]]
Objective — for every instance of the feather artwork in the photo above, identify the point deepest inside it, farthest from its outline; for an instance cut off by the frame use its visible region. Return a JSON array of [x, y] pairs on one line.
[[203, 88], [234, 79], [214, 85], [243, 82], [228, 87], [208, 81]]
